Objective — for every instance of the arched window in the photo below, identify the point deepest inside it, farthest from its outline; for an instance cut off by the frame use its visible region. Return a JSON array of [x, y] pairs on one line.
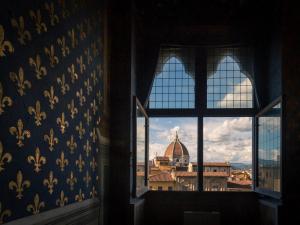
[[228, 82], [174, 84]]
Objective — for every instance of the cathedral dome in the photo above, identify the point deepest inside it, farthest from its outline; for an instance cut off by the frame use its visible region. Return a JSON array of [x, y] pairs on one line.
[[177, 152]]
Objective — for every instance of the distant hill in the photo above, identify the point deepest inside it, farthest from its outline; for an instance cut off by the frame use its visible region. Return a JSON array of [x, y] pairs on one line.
[[241, 166]]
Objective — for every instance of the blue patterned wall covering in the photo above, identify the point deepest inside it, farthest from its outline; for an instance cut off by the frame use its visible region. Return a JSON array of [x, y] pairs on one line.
[[50, 104]]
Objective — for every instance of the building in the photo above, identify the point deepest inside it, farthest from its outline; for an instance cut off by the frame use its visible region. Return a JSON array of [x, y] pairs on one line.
[[174, 171], [70, 71]]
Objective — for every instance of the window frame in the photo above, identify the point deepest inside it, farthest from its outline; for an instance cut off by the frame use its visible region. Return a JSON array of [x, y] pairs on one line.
[[265, 191], [136, 103], [201, 111]]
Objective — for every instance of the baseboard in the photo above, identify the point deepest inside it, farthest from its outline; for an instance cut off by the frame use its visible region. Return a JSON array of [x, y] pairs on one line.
[[85, 212]]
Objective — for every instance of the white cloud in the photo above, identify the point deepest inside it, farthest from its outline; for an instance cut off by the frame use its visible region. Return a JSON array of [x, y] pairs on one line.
[[228, 139], [225, 139], [241, 90]]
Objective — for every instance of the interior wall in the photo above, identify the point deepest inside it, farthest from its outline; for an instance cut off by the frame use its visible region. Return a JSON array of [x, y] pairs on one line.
[[168, 207], [51, 56], [291, 109]]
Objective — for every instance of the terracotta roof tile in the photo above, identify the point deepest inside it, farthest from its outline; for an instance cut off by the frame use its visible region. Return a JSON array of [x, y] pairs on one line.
[[185, 174], [164, 177], [213, 164], [215, 174]]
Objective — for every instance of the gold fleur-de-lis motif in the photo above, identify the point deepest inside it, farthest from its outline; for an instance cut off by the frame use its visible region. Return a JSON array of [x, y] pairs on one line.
[[4, 100], [52, 57], [52, 98], [74, 41], [36, 206], [82, 34], [19, 79], [20, 133], [72, 72], [87, 148], [73, 109], [93, 193], [71, 180], [99, 70], [62, 199], [37, 159], [62, 162], [80, 196], [98, 120], [82, 66], [88, 117], [93, 135], [22, 32], [65, 50], [94, 49], [51, 139], [81, 130], [93, 164], [39, 69], [89, 88], [100, 98], [80, 163], [62, 123], [89, 58], [72, 145], [94, 107], [40, 26], [4, 45], [53, 17], [4, 158], [38, 114], [94, 77], [50, 182], [87, 179], [64, 87], [19, 185], [64, 12], [81, 97], [4, 213]]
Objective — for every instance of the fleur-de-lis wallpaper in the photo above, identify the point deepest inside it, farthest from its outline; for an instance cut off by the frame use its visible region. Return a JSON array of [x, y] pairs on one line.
[[49, 104]]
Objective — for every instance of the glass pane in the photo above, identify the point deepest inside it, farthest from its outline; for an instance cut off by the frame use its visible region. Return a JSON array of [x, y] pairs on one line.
[[227, 85], [227, 152], [174, 80], [140, 152], [173, 154], [269, 149]]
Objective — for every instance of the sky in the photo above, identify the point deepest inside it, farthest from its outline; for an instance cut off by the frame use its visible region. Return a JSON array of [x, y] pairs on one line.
[[225, 139]]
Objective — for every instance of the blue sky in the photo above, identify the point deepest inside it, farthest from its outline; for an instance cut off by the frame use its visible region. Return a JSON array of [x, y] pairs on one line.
[[225, 139]]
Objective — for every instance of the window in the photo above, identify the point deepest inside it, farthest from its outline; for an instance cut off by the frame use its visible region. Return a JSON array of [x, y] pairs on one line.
[[227, 152], [197, 94], [227, 83], [141, 148], [174, 85], [173, 152], [159, 188], [269, 148]]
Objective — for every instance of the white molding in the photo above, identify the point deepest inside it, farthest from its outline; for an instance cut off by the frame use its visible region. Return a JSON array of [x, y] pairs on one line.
[[58, 215]]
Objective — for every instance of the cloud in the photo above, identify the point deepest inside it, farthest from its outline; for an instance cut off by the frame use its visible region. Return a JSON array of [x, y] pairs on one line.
[[228, 139], [164, 133], [241, 92], [225, 139]]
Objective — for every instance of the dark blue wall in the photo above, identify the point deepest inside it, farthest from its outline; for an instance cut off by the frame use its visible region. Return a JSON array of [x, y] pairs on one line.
[[58, 19]]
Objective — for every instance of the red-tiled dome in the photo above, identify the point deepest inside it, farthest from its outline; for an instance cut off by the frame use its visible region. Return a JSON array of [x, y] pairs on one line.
[[176, 150]]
